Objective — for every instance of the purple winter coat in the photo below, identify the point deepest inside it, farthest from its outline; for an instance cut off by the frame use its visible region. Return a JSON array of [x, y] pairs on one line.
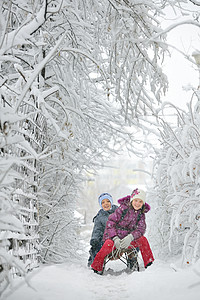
[[121, 228]]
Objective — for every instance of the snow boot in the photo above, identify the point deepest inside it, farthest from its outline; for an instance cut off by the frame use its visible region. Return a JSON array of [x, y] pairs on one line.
[[98, 272]]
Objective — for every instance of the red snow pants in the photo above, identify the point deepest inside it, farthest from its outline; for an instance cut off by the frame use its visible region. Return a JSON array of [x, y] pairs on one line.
[[108, 246]]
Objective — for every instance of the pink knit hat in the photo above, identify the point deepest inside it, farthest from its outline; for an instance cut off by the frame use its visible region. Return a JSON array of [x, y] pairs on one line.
[[138, 193]]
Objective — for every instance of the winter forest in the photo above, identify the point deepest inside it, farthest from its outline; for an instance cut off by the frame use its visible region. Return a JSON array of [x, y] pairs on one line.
[[79, 81]]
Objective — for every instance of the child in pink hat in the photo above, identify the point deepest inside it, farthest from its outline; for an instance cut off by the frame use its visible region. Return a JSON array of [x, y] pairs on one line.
[[127, 231]]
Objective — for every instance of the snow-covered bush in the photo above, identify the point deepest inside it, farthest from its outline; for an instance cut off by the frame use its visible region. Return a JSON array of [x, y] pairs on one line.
[[177, 189]]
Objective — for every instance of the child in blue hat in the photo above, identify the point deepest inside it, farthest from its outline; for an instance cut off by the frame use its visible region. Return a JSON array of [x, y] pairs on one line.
[[107, 208]]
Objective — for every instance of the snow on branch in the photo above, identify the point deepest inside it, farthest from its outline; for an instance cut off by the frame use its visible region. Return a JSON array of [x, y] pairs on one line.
[[174, 25], [22, 35], [37, 71]]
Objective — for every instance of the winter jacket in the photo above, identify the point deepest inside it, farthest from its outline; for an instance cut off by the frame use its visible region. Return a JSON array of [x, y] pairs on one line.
[[122, 226], [99, 225]]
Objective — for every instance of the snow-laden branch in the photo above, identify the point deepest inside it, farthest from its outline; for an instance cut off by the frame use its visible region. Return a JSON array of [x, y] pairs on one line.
[[133, 6], [172, 105], [143, 171], [87, 55], [22, 34], [171, 27], [7, 58], [37, 70], [195, 2]]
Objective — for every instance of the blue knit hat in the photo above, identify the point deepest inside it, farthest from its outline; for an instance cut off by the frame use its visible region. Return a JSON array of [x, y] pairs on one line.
[[105, 196]]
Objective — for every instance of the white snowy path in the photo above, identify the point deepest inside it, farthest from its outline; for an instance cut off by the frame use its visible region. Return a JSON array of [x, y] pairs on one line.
[[75, 281]]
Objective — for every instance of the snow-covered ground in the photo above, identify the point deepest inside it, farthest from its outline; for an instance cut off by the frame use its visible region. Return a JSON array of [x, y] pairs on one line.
[[75, 281], [72, 281]]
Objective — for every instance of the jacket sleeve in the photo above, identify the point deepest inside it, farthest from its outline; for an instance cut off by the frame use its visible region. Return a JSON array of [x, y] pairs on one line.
[[97, 233], [140, 229], [113, 220]]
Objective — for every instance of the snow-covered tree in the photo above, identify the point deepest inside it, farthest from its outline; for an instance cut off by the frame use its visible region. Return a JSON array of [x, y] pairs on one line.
[[177, 218], [56, 120]]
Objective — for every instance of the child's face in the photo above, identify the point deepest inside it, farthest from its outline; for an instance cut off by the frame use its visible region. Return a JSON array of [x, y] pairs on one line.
[[137, 203], [106, 205]]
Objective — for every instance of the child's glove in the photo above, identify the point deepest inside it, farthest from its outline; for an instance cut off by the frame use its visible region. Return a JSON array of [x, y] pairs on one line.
[[117, 242], [125, 242]]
